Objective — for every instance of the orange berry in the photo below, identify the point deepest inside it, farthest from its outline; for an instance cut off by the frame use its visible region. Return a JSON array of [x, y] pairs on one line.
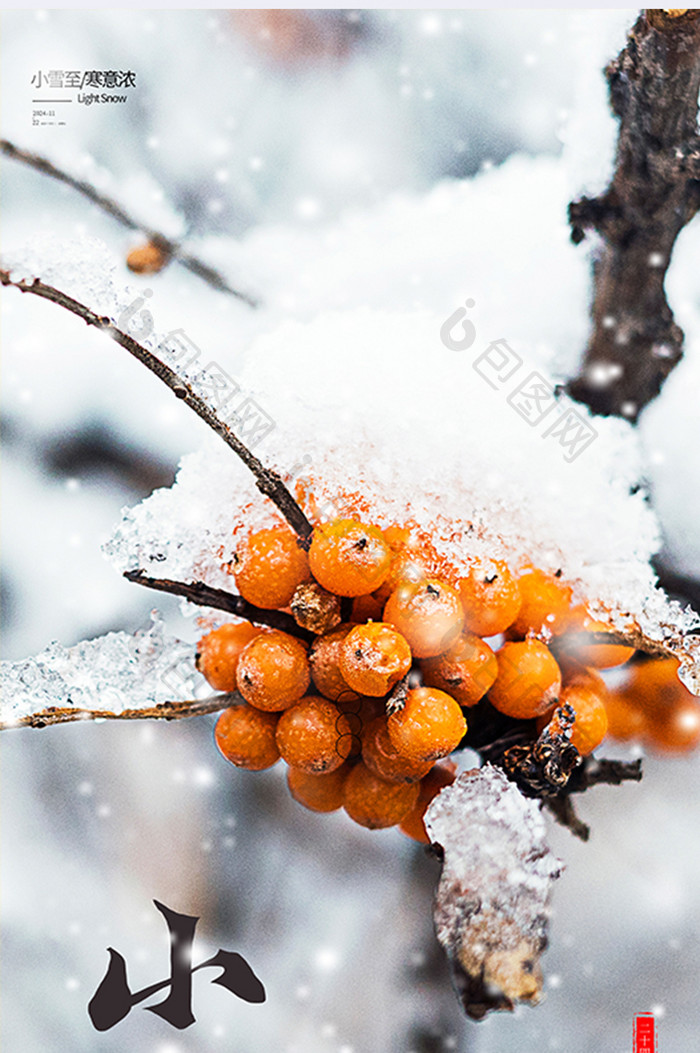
[[148, 258], [428, 614], [581, 675], [545, 603], [269, 566], [273, 670], [375, 803], [671, 712], [367, 608], [575, 675], [653, 685], [528, 680], [348, 557], [466, 671], [218, 653], [677, 730], [381, 756], [600, 656], [313, 735], [246, 737], [429, 726], [625, 720], [406, 568], [318, 793], [439, 776], [365, 709], [373, 658], [490, 596], [324, 659], [591, 724]]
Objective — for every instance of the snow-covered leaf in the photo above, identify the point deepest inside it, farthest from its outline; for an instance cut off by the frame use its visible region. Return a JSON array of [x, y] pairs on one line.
[[492, 903]]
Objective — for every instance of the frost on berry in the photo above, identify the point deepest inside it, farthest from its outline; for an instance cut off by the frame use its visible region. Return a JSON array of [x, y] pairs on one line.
[[492, 903]]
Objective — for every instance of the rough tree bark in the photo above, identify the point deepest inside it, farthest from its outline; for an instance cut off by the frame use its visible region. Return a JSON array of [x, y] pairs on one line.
[[654, 193]]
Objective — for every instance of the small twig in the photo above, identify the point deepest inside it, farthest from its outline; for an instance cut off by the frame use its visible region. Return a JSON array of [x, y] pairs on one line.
[[595, 771], [490, 732], [494, 752], [397, 699], [267, 481], [654, 193], [206, 596], [113, 209], [571, 642], [562, 808], [163, 711]]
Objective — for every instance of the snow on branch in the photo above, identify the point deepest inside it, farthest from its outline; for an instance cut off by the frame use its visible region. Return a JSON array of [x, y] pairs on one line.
[[267, 481], [654, 193], [114, 677], [169, 248], [492, 903]]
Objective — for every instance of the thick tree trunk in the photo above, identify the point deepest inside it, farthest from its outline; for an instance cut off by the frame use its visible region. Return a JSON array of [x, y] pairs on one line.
[[654, 192]]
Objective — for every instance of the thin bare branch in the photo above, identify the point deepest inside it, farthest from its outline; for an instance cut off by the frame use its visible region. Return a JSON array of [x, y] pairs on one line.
[[206, 596], [171, 248], [562, 808], [267, 481], [163, 711]]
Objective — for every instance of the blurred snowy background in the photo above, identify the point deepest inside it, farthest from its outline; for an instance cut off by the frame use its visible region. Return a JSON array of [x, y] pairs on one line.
[[322, 160]]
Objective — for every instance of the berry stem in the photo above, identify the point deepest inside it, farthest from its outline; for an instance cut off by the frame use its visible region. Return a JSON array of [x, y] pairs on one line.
[[206, 596], [112, 208], [267, 481]]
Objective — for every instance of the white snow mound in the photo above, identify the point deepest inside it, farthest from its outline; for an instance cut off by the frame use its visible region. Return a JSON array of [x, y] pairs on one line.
[[376, 416]]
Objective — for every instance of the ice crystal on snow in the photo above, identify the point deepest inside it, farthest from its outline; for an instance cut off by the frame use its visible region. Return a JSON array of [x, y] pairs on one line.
[[83, 268], [112, 673]]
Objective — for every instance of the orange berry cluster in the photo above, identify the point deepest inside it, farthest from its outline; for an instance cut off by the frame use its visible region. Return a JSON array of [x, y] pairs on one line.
[[366, 704]]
